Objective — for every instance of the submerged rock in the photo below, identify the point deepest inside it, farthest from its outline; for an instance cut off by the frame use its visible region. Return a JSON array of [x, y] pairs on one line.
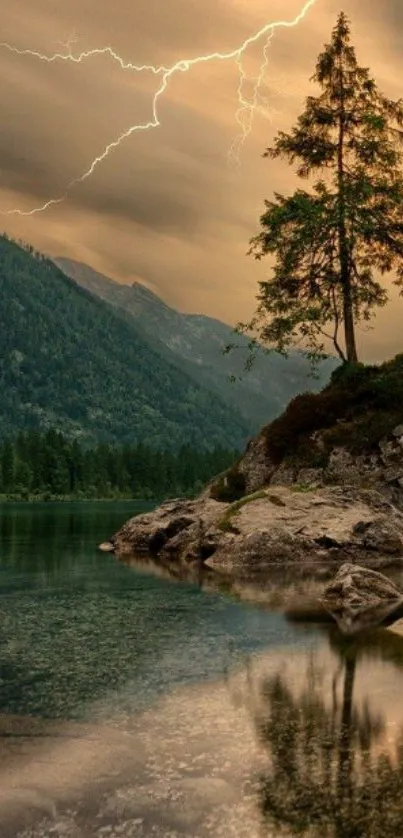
[[359, 597]]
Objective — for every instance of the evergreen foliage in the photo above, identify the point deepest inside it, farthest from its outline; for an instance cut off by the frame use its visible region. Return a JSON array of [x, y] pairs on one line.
[[51, 466], [69, 362], [331, 244]]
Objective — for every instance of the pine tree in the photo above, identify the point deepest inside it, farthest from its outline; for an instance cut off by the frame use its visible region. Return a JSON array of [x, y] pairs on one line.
[[333, 244], [7, 466], [22, 477]]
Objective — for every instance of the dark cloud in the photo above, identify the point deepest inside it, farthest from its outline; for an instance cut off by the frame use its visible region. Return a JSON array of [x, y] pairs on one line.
[[150, 206], [164, 207]]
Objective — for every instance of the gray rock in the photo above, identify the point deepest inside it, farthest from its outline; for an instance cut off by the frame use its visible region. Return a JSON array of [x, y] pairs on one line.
[[312, 477], [359, 597], [317, 506], [276, 526], [380, 469], [380, 535], [255, 465], [172, 527]]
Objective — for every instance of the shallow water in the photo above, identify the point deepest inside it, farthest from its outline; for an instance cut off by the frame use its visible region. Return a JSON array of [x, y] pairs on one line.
[[131, 706]]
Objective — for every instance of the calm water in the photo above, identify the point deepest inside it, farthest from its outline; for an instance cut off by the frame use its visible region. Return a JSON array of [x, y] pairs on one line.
[[132, 706]]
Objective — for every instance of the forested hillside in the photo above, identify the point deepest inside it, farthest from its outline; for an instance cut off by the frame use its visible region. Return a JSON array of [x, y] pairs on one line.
[[195, 342], [69, 362], [46, 466]]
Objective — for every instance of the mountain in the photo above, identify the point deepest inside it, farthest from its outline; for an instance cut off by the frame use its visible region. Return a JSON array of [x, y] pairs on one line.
[[196, 342], [71, 362]]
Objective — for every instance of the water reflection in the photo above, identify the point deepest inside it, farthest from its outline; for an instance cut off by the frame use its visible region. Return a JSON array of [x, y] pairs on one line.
[[293, 589], [131, 707], [84, 637], [45, 539], [333, 771], [302, 741]]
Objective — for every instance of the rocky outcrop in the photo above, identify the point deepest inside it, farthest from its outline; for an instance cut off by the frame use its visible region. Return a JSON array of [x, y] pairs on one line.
[[276, 526], [319, 464], [359, 597], [323, 483]]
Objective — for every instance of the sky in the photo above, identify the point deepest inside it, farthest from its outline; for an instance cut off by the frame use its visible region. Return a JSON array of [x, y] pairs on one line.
[[169, 207]]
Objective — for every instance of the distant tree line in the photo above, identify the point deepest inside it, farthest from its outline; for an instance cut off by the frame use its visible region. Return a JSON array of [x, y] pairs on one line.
[[52, 466]]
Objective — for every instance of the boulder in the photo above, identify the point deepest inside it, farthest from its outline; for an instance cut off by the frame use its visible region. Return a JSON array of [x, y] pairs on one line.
[[360, 598], [172, 527]]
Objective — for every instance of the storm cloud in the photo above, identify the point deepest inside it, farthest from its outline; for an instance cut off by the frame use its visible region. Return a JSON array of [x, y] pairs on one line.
[[165, 208]]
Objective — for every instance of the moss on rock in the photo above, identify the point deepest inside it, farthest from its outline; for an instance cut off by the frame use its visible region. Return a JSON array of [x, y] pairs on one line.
[[226, 525]]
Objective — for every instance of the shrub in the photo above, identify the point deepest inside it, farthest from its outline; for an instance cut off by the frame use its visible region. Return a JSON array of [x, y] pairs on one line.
[[359, 406]]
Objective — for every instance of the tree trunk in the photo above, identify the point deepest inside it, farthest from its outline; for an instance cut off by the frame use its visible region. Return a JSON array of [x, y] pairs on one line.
[[346, 756], [349, 331], [344, 259]]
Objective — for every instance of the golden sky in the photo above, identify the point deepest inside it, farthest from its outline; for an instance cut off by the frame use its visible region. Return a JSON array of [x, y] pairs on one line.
[[165, 208]]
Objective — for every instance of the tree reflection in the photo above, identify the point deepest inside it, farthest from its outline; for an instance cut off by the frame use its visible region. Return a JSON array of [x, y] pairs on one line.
[[328, 776]]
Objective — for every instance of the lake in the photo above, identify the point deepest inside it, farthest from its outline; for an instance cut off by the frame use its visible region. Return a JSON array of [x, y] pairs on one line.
[[134, 706]]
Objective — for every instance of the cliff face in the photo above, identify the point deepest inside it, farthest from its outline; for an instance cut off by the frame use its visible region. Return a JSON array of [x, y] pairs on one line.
[[379, 467]]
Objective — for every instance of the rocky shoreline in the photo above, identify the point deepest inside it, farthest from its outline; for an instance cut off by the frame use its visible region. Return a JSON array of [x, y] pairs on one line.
[[277, 525], [294, 500]]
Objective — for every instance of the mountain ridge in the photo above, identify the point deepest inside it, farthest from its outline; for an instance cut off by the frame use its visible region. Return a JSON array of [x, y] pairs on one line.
[[197, 340], [69, 361]]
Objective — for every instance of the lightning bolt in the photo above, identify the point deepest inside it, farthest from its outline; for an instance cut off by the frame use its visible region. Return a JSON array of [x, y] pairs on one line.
[[247, 107], [244, 114]]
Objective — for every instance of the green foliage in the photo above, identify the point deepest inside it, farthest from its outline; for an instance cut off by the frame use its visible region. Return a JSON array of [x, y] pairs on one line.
[[359, 407], [304, 415], [7, 460], [331, 243], [69, 362], [51, 466]]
